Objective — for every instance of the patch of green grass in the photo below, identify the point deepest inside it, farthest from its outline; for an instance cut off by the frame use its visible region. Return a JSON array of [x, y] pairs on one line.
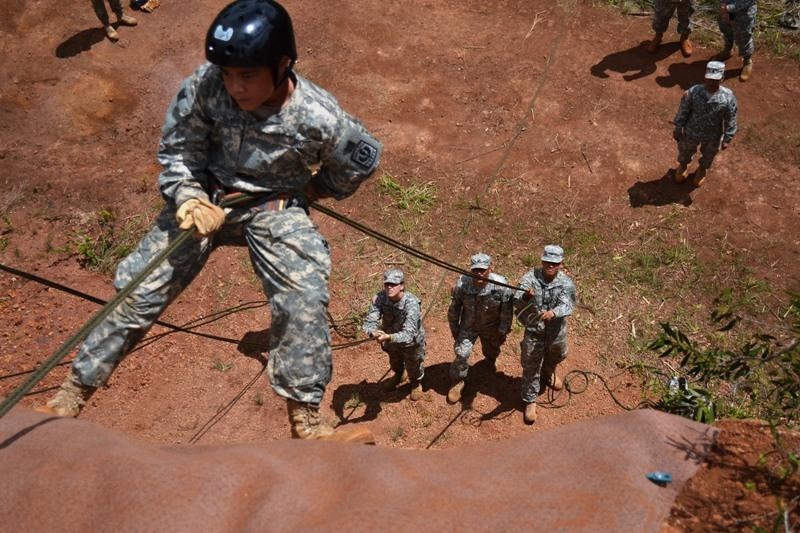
[[354, 402], [414, 197], [103, 241]]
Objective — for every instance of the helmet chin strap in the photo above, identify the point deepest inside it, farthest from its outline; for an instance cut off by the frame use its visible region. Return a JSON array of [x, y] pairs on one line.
[[286, 74]]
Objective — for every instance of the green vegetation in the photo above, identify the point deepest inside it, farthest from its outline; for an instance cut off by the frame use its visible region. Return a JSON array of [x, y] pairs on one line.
[[414, 197], [222, 366], [104, 240]]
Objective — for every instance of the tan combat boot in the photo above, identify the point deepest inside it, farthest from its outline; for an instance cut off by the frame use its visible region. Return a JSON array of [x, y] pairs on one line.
[[530, 413], [127, 20], [681, 173], [307, 423], [700, 176], [653, 45], [747, 69], [112, 34], [392, 383], [686, 45], [69, 400], [454, 394], [416, 392]]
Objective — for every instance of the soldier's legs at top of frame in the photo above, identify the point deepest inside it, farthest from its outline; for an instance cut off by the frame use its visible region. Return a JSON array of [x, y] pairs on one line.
[[293, 262], [99, 7], [115, 336], [555, 353], [662, 13], [685, 12]]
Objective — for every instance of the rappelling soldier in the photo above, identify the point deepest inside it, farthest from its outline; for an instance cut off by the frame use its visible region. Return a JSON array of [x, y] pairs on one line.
[[245, 122]]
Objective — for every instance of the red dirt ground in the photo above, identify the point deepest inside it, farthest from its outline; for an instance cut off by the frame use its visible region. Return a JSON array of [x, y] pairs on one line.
[[549, 111]]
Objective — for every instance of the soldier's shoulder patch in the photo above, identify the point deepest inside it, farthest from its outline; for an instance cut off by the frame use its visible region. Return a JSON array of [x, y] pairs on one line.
[[364, 154]]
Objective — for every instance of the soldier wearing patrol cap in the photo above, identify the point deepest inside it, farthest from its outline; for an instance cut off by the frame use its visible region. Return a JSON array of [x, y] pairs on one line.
[[707, 117], [479, 309], [245, 122], [394, 320], [547, 299]]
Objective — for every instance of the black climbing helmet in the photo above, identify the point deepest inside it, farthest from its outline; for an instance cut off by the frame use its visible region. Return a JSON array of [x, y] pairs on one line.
[[251, 33]]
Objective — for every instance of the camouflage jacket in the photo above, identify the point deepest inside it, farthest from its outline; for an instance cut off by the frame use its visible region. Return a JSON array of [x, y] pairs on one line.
[[480, 309], [205, 134], [558, 296], [401, 319], [707, 117]]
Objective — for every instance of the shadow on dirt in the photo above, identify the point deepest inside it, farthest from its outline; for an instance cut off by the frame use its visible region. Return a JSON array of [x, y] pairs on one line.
[[80, 42], [254, 344], [637, 61], [683, 75], [662, 191]]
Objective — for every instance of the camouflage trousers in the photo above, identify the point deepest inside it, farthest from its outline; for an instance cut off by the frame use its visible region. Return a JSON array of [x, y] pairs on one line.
[[409, 358], [491, 341], [289, 256], [100, 9], [540, 355], [688, 146], [663, 11], [739, 30]]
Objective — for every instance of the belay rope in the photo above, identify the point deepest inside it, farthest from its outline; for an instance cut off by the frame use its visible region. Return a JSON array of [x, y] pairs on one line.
[[51, 362]]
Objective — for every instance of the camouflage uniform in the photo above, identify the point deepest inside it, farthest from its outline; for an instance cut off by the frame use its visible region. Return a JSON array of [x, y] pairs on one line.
[[544, 344], [100, 10], [478, 312], [740, 27], [208, 140], [706, 120], [663, 11], [403, 321]]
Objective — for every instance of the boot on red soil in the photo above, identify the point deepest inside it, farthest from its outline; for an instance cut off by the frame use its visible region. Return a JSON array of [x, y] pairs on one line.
[[530, 413], [127, 20], [307, 423], [686, 45], [112, 34], [653, 45], [700, 176], [747, 69], [454, 394], [416, 392], [69, 400], [681, 173]]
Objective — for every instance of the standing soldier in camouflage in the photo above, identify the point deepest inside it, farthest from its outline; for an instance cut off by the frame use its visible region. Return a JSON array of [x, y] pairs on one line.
[[479, 309], [244, 122], [706, 118], [662, 13], [737, 20], [542, 308], [394, 320], [122, 19]]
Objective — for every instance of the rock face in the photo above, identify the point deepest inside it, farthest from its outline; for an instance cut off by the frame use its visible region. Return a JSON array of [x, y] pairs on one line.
[[72, 475]]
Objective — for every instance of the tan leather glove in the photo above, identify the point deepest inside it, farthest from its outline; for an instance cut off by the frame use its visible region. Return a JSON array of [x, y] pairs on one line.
[[202, 214]]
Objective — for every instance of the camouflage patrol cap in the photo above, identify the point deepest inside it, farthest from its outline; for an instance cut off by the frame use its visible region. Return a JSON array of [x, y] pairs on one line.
[[394, 275], [715, 70], [553, 254], [479, 260]]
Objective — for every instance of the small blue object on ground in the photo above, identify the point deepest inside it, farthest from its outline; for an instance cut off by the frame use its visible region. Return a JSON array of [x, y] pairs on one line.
[[660, 478]]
